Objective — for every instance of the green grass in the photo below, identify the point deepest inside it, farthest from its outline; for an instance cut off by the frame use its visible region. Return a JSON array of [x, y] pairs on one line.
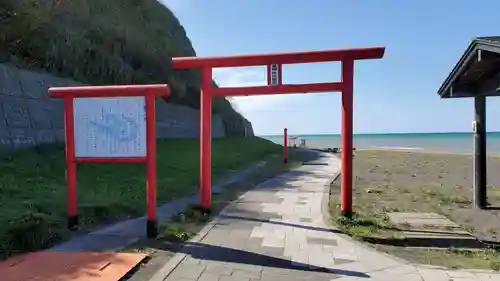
[[450, 258], [362, 224], [33, 197]]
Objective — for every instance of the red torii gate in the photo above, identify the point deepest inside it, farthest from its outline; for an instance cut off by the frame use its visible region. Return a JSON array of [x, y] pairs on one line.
[[274, 64]]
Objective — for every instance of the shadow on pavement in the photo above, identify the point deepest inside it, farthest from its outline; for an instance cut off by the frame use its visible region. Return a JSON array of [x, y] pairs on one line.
[[314, 228], [223, 254]]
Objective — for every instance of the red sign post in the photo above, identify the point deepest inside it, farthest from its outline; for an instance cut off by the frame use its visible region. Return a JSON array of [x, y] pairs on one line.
[[110, 124], [274, 64], [285, 145]]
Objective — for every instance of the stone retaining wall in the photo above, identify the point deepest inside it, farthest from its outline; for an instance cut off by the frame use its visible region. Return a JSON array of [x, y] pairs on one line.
[[28, 117]]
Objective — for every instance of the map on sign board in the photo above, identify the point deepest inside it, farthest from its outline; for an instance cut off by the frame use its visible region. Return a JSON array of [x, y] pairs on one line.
[[110, 127]]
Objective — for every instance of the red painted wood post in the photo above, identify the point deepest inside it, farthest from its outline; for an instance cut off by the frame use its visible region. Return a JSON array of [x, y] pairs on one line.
[[206, 139], [285, 145], [72, 203], [347, 136], [152, 224]]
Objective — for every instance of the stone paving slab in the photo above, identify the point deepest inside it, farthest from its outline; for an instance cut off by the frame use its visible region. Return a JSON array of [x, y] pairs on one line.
[[277, 232], [420, 219], [430, 234], [443, 233]]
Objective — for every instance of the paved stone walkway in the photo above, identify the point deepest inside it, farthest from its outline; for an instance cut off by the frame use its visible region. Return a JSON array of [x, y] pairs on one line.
[[276, 232]]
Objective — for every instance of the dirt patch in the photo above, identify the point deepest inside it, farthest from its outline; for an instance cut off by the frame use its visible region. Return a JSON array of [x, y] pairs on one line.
[[388, 181]]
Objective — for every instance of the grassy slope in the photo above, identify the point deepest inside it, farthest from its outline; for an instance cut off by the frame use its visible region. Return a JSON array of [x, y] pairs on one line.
[[105, 42], [33, 198]]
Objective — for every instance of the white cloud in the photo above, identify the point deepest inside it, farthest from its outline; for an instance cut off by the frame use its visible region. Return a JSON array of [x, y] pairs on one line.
[[244, 77]]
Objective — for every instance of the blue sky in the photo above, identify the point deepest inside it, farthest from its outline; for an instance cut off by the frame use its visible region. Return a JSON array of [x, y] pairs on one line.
[[423, 39]]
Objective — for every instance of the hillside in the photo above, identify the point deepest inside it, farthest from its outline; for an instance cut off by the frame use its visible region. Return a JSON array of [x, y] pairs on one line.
[[105, 42]]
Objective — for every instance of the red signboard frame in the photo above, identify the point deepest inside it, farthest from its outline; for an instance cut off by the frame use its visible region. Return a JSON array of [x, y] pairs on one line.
[[150, 92], [285, 145]]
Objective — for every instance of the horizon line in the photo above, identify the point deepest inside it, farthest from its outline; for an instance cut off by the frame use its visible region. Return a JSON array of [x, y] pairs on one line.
[[401, 133]]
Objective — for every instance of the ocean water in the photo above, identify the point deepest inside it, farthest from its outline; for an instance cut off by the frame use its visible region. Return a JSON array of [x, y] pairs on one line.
[[448, 142]]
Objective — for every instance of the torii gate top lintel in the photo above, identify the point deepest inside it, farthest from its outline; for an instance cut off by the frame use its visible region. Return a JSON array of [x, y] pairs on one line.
[[279, 58], [206, 64]]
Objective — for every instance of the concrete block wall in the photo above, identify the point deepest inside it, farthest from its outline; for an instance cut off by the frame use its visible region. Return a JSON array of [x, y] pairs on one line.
[[28, 117], [174, 121]]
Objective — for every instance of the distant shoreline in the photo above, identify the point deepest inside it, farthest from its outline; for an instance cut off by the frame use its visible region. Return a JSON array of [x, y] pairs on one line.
[[418, 150], [377, 134], [449, 143], [403, 149]]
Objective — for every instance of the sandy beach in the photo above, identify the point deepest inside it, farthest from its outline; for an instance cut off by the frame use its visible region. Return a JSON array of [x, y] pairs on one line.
[[412, 149], [432, 177], [424, 151], [398, 180]]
